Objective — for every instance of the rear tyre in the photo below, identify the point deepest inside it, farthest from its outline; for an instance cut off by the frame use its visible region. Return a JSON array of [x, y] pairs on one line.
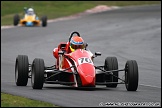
[[16, 20], [131, 75], [44, 21], [111, 63], [21, 70], [37, 78]]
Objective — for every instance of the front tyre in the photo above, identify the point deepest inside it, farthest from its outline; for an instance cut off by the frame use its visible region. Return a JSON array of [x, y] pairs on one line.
[[16, 20], [44, 21], [21, 70], [131, 75], [111, 63], [37, 78]]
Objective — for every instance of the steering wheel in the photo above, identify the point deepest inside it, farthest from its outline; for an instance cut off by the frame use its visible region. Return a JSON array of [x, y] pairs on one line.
[[72, 34]]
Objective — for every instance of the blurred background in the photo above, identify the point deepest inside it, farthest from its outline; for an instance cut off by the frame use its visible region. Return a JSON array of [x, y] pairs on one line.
[[56, 9]]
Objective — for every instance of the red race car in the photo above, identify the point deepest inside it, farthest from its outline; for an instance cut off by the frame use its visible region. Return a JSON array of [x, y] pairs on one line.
[[75, 68]]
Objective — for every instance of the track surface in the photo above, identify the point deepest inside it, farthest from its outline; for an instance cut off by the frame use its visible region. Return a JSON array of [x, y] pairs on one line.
[[126, 33]]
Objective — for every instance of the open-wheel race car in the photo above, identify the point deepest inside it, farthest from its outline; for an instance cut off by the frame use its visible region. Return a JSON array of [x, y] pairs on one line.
[[30, 19], [75, 69]]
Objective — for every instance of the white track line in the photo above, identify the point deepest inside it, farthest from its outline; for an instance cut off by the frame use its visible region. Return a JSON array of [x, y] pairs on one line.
[[150, 86]]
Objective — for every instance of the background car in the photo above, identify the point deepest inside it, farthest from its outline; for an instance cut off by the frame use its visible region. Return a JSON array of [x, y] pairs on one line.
[[30, 20]]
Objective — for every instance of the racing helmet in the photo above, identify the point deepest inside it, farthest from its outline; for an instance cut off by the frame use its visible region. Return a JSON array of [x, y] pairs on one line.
[[30, 11], [76, 43]]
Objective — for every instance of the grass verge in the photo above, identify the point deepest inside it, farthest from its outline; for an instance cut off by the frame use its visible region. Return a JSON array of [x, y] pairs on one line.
[[8, 100], [55, 9]]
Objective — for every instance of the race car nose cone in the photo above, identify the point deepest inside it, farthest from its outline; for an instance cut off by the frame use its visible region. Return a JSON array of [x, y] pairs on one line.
[[88, 80], [29, 24], [87, 75]]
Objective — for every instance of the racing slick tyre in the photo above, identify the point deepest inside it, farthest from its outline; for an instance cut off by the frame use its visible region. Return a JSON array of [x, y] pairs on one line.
[[131, 75], [111, 63], [16, 20], [21, 70], [37, 77], [44, 21]]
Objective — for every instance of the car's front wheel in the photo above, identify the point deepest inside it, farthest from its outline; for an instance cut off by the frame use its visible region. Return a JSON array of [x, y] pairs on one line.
[[16, 20], [111, 63], [21, 70], [37, 78], [44, 21], [131, 75]]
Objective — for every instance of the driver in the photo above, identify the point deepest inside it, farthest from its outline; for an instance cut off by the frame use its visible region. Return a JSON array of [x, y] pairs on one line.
[[76, 43], [29, 11]]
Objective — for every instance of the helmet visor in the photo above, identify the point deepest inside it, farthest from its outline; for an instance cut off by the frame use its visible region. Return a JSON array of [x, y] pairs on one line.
[[77, 46], [30, 12]]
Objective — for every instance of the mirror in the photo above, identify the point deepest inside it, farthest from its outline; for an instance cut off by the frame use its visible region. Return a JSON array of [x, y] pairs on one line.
[[97, 54], [85, 45]]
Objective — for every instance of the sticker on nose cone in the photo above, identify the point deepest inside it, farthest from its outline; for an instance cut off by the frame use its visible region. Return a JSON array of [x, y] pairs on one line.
[[85, 60]]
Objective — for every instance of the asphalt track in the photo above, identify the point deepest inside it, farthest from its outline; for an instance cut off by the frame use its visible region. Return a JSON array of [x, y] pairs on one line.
[[126, 33]]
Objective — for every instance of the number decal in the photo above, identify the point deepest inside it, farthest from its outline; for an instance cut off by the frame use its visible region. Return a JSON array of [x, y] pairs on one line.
[[84, 60]]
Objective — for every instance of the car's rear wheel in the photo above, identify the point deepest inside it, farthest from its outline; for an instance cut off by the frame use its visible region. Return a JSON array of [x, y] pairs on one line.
[[111, 63], [16, 20], [37, 78], [21, 70], [44, 21], [131, 75]]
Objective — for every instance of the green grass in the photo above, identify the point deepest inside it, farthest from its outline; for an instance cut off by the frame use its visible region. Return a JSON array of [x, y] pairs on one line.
[[55, 9], [8, 100]]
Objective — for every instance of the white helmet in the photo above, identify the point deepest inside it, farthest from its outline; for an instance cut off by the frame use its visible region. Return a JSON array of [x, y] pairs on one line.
[[30, 11]]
